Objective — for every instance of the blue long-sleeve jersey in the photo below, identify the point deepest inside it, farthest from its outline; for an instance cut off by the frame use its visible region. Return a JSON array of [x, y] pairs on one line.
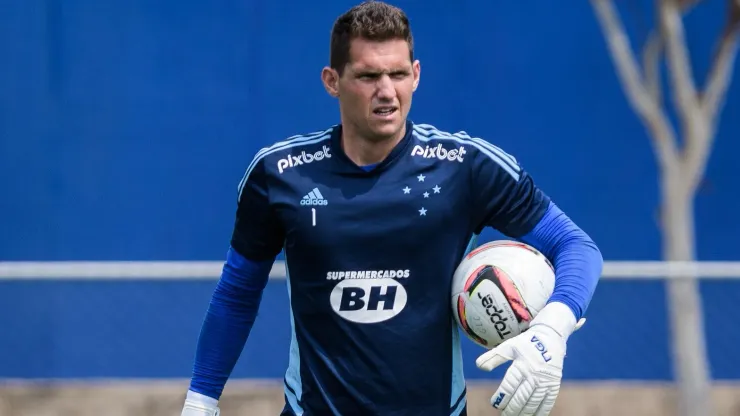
[[370, 253]]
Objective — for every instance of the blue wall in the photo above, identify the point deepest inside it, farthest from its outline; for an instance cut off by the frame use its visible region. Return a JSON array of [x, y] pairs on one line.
[[125, 127]]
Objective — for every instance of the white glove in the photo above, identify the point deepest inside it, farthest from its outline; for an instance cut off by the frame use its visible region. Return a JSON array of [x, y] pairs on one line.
[[532, 383], [197, 404]]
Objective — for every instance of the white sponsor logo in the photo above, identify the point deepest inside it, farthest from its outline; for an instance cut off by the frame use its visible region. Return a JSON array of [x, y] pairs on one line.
[[368, 274], [368, 301], [439, 152], [303, 158], [314, 198]]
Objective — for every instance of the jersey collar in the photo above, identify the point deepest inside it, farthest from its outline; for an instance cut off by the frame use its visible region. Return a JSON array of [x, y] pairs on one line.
[[346, 165]]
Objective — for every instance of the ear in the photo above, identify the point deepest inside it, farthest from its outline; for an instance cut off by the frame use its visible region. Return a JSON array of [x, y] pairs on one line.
[[330, 79], [416, 69]]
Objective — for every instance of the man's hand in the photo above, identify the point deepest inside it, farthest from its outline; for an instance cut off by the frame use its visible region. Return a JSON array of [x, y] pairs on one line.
[[197, 404], [532, 383]]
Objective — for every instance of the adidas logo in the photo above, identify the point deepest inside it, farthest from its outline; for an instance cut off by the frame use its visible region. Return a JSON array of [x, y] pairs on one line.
[[314, 198]]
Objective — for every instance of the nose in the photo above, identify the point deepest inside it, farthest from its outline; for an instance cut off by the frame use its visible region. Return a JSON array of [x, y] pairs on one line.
[[386, 88]]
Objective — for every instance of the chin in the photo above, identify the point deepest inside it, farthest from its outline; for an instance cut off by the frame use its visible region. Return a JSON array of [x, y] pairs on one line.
[[387, 130]]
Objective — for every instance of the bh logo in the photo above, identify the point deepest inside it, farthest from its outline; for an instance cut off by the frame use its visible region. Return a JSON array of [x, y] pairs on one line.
[[368, 301]]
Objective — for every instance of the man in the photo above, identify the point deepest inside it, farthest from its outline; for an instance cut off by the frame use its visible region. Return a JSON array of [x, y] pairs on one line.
[[374, 214]]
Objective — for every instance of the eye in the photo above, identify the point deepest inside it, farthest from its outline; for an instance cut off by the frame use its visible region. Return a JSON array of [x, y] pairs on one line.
[[369, 76]]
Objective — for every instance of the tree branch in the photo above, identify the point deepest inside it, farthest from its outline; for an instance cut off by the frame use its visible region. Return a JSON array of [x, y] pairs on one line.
[[662, 133], [720, 74], [712, 99], [687, 5], [679, 64], [651, 54]]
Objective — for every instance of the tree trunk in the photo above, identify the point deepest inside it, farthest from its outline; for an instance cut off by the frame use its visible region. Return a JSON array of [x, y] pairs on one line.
[[690, 361]]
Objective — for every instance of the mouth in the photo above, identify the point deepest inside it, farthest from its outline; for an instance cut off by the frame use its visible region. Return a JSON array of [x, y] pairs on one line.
[[385, 111]]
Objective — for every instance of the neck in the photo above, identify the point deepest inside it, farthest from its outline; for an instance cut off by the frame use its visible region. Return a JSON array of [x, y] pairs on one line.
[[363, 151]]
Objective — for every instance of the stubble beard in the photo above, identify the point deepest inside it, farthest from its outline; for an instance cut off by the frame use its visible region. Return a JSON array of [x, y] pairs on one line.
[[374, 136]]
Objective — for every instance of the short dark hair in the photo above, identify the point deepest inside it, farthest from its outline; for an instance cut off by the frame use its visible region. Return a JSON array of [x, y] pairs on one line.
[[371, 20]]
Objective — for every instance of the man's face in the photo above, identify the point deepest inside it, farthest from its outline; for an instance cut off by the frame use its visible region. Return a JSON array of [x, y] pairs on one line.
[[376, 86]]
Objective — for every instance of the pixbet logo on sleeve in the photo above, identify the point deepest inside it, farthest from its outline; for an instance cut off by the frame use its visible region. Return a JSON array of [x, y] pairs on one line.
[[303, 158]]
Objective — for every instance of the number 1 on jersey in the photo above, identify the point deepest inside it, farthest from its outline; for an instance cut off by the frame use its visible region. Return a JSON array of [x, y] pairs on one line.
[[313, 216]]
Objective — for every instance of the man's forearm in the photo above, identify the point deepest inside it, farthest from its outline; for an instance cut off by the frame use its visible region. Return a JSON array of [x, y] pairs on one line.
[[575, 257], [229, 319]]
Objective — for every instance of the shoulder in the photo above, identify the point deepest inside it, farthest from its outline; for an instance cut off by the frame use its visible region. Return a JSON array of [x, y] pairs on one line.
[[478, 151], [287, 152]]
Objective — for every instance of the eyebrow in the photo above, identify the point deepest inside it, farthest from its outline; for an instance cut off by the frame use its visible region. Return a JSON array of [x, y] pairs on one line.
[[372, 71]]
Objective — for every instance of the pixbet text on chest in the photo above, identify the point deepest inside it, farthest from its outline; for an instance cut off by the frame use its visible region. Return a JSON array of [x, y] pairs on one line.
[[303, 158], [439, 152]]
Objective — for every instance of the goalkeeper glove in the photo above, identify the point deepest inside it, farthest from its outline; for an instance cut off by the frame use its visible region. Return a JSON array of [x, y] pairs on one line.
[[197, 404], [532, 383]]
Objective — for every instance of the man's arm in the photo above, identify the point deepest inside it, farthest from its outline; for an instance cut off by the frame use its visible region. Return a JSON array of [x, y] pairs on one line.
[[508, 200], [256, 240], [575, 256], [228, 322]]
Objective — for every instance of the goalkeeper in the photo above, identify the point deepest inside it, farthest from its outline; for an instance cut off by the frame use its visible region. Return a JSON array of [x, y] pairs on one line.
[[374, 214]]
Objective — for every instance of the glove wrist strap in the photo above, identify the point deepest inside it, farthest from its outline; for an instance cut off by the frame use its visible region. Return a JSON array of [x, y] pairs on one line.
[[557, 316], [202, 399]]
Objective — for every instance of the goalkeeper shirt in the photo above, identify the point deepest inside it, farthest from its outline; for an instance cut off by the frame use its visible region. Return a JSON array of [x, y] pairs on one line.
[[370, 253]]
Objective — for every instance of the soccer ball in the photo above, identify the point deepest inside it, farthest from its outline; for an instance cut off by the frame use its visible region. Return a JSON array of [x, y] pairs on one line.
[[498, 288]]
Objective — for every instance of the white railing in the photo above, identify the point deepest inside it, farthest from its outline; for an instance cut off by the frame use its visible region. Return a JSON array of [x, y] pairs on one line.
[[177, 270]]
